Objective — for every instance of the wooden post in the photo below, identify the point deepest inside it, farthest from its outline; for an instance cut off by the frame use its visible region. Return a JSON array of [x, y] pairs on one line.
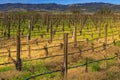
[[119, 31], [118, 58], [106, 64], [87, 40], [104, 46], [28, 38], [92, 47], [62, 71], [23, 31], [29, 50], [61, 45], [65, 55], [29, 30], [63, 25], [9, 54], [75, 35], [33, 71], [18, 62], [86, 69], [8, 28], [69, 23], [4, 32], [80, 32], [54, 33], [32, 23], [106, 31], [46, 50], [3, 79], [99, 32], [51, 32], [80, 50]]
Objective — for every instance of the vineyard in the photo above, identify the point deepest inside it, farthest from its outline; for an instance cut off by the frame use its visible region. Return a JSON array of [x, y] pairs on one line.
[[42, 46]]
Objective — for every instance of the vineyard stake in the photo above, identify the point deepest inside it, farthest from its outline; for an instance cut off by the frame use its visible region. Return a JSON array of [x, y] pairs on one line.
[[9, 54], [8, 28], [118, 58], [46, 50], [18, 62], [29, 50], [86, 69], [29, 30], [65, 55], [51, 32], [106, 31], [74, 34]]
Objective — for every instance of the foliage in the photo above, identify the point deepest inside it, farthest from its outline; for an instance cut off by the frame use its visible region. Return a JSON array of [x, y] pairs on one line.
[[95, 67], [118, 43]]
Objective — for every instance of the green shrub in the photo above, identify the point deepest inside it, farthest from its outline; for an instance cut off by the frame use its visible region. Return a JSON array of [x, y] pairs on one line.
[[95, 66], [118, 43]]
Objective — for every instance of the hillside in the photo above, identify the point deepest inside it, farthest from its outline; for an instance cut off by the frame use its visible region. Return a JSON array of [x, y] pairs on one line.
[[83, 7]]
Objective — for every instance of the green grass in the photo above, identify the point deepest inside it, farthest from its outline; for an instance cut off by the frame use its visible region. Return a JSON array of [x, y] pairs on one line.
[[95, 66], [118, 43], [7, 68], [39, 67]]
